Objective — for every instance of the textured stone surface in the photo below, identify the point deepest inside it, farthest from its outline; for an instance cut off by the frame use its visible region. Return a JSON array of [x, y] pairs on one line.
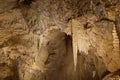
[[59, 39], [112, 76], [7, 5]]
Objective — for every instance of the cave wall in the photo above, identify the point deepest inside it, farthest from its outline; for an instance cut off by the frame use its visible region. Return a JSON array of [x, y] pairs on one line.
[[59, 39]]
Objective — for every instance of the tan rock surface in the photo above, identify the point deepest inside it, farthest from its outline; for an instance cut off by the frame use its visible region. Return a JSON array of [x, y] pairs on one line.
[[59, 39]]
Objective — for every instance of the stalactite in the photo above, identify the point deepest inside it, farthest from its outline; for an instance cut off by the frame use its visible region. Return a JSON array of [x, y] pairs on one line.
[[80, 40], [74, 43], [116, 46], [115, 40]]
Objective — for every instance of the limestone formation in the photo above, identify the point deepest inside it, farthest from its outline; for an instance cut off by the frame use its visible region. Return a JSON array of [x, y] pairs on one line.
[[59, 39]]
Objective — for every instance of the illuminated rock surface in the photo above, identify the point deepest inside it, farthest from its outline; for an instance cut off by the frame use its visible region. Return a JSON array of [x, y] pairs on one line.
[[59, 39]]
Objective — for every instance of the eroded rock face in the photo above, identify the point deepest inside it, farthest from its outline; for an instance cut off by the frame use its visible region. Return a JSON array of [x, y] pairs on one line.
[[112, 76], [7, 5], [59, 40]]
